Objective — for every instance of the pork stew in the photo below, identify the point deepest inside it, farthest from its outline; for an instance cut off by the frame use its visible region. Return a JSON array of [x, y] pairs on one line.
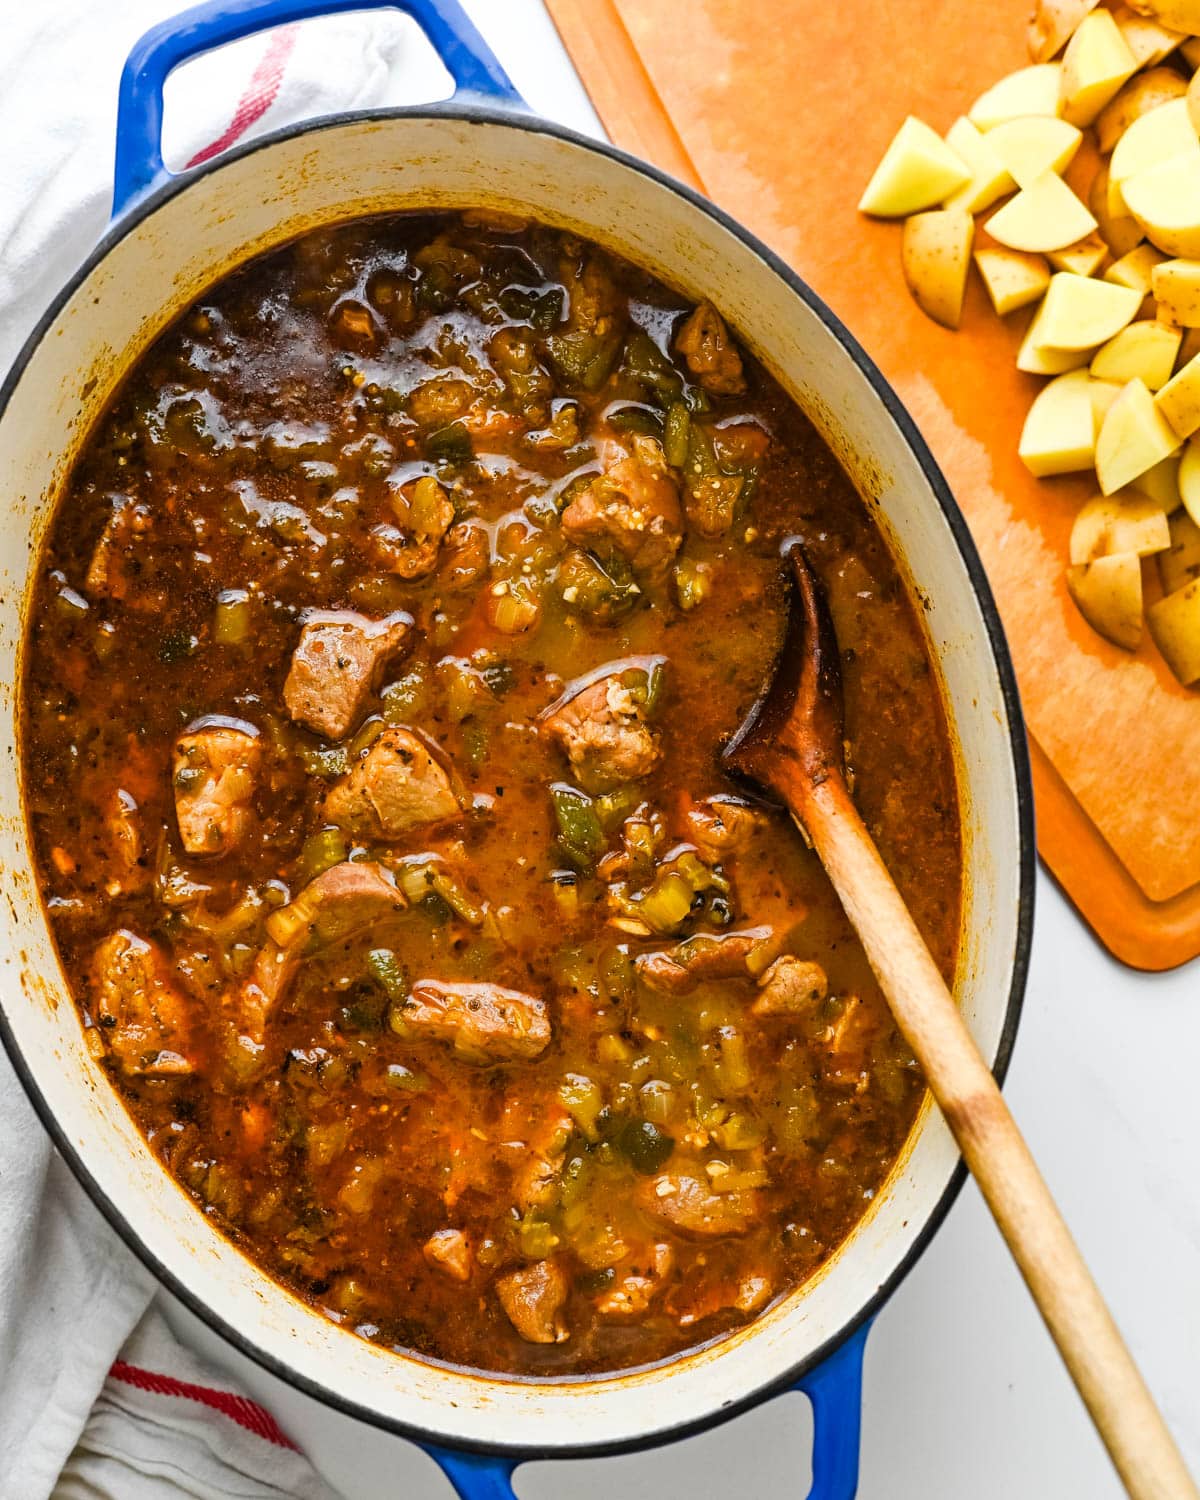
[[383, 647]]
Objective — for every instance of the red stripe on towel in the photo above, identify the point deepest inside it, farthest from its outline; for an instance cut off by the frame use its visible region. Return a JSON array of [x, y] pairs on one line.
[[239, 1409], [259, 95]]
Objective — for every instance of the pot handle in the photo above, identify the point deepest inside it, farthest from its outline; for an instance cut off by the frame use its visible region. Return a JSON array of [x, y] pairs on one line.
[[475, 1476], [834, 1388], [139, 164]]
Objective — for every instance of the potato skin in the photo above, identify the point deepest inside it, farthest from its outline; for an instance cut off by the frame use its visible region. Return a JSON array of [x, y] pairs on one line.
[[1144, 92], [1179, 400], [1124, 522], [1175, 625], [1176, 288], [1145, 350], [1179, 15], [936, 256], [1108, 594], [1051, 26], [1120, 232]]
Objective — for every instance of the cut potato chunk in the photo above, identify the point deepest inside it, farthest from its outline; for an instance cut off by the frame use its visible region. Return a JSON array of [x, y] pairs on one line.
[[1035, 357], [1119, 231], [989, 176], [918, 170], [1082, 258], [1180, 563], [1176, 288], [1136, 269], [1165, 201], [1144, 351], [1155, 138], [1146, 38], [1175, 626], [1135, 436], [1160, 483], [1028, 91], [1103, 393], [1189, 482], [1046, 215], [1179, 15], [936, 256], [1059, 436], [1116, 203], [1051, 26], [1108, 594], [1080, 313], [1094, 66], [1179, 400], [1117, 329], [1143, 93], [1013, 278], [1127, 522], [1033, 144]]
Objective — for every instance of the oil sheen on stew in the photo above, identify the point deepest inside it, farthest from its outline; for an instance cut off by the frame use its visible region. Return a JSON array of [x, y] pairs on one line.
[[384, 646]]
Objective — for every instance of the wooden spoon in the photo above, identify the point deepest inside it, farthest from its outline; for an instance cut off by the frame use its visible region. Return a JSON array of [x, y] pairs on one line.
[[791, 745]]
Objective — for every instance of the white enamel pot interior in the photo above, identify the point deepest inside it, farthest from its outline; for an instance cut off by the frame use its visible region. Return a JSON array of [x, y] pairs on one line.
[[153, 263]]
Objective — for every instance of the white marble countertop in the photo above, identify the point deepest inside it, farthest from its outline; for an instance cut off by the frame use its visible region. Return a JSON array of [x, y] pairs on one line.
[[964, 1393]]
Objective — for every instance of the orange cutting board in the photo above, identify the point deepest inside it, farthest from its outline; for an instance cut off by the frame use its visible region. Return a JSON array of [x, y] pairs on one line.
[[780, 111]]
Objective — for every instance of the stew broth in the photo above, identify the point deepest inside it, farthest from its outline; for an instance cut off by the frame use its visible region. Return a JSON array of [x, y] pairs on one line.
[[383, 648]]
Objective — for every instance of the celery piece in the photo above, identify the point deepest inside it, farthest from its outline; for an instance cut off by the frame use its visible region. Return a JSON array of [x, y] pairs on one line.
[[285, 925], [612, 808], [231, 617], [385, 969], [404, 700], [565, 885], [693, 582], [321, 851], [657, 1100], [537, 1239], [732, 1068], [583, 1101], [667, 903]]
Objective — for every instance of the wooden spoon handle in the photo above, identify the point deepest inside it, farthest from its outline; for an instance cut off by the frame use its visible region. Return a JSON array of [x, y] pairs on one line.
[[1137, 1439]]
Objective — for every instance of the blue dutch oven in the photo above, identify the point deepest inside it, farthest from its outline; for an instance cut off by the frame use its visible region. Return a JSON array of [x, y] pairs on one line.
[[171, 238]]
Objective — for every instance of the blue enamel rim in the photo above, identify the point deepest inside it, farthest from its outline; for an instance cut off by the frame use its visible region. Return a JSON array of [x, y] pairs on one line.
[[511, 120]]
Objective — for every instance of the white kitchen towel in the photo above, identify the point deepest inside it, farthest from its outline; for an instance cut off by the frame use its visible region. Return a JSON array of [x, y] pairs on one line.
[[70, 1293], [59, 67], [164, 1426]]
